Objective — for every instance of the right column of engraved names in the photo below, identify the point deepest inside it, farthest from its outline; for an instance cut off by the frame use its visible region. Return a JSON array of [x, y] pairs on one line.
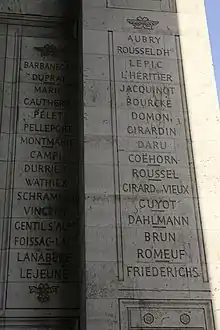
[[159, 220]]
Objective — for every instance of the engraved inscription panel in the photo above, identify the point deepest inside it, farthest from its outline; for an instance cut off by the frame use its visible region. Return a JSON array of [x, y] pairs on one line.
[[39, 136], [170, 314], [157, 209], [154, 5], [40, 324]]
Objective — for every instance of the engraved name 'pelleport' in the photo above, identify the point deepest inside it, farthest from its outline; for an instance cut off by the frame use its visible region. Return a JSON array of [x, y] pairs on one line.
[[47, 128]]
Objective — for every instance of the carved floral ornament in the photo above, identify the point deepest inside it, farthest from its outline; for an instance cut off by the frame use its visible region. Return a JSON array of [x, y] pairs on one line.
[[142, 23], [50, 50], [185, 318], [43, 291]]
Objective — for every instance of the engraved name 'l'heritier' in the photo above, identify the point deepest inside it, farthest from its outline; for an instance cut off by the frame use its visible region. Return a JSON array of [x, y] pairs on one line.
[[143, 23]]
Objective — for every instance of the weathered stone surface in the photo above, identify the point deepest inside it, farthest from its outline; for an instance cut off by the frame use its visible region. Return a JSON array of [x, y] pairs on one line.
[[39, 225], [147, 217]]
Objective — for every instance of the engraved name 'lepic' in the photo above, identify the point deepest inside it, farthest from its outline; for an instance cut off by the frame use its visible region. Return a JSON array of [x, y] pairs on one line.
[[158, 217]]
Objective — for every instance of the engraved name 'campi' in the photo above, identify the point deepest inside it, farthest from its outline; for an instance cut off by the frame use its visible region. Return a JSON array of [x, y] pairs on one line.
[[46, 155]]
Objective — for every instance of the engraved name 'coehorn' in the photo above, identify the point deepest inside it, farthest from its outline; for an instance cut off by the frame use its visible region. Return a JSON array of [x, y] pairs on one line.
[[143, 23]]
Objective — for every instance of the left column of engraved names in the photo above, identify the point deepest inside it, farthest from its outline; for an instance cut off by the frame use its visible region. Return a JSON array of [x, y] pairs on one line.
[[43, 251], [4, 139]]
